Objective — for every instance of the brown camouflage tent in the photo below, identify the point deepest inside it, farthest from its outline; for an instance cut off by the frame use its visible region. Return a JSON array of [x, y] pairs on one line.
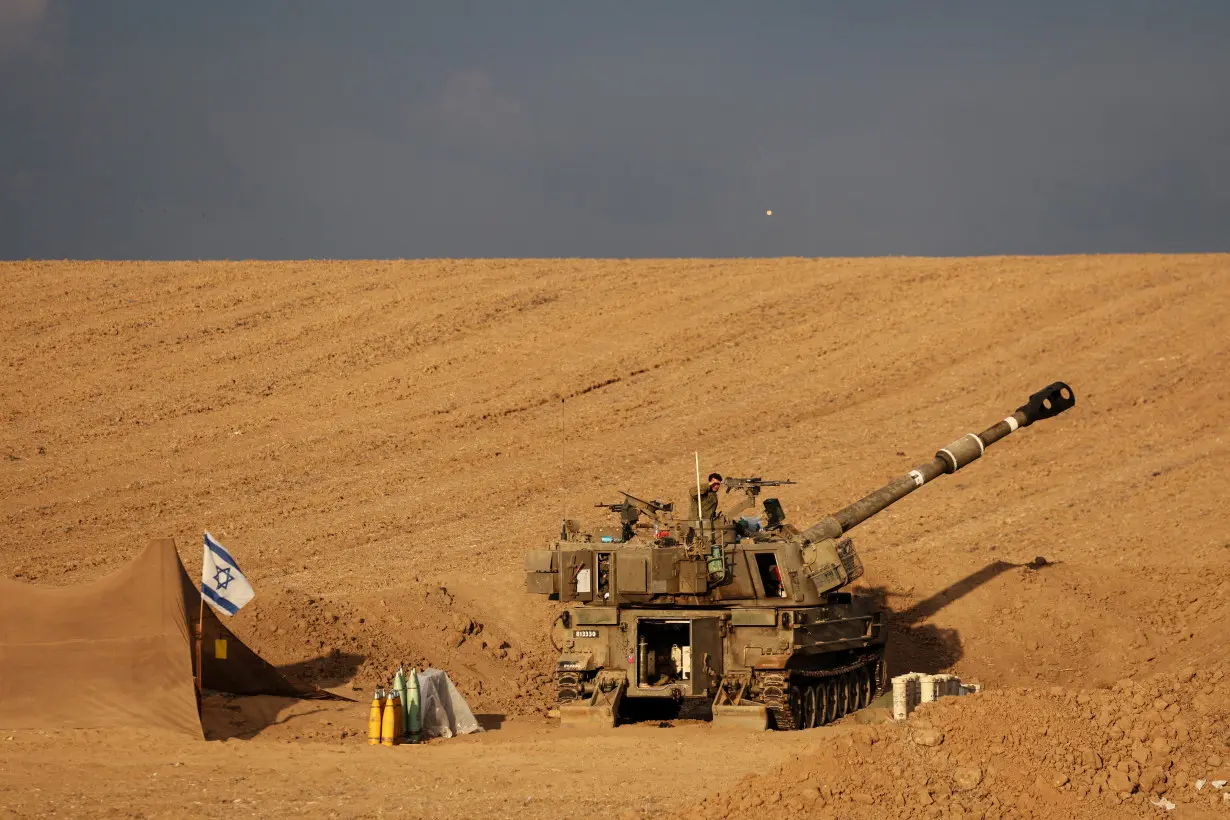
[[119, 651]]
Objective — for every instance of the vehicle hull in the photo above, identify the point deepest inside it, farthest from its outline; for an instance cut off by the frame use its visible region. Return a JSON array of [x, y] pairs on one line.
[[760, 667]]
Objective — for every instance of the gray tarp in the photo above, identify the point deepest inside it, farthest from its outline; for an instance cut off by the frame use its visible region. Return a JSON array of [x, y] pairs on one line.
[[445, 712]]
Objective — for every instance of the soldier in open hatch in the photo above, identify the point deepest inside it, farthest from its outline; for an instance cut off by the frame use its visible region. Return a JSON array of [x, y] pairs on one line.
[[708, 498], [774, 520]]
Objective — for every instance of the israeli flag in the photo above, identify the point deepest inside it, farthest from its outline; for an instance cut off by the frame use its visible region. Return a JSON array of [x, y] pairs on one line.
[[222, 583]]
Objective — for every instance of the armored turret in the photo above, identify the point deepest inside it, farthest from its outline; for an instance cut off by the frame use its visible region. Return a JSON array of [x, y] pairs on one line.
[[745, 614]]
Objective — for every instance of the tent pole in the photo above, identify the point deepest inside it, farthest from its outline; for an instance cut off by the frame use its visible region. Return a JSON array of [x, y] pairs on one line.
[[200, 639]]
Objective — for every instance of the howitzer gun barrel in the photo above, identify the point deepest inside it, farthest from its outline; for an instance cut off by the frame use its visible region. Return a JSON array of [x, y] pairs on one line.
[[1050, 401]]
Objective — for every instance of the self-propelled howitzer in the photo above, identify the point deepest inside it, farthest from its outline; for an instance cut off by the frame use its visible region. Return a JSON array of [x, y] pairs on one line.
[[745, 615]]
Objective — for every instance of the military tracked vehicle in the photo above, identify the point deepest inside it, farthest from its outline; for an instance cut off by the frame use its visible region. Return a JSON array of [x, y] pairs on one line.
[[743, 615]]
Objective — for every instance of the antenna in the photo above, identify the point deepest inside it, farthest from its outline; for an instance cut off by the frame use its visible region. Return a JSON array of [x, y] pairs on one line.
[[563, 495], [699, 515]]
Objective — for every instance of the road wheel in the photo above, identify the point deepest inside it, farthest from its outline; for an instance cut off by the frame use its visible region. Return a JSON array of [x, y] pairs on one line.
[[809, 707], [852, 695], [795, 699], [866, 687], [833, 704], [843, 695], [823, 702]]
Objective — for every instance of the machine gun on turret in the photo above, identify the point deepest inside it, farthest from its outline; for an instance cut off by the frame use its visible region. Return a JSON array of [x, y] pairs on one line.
[[653, 509], [752, 485], [632, 508]]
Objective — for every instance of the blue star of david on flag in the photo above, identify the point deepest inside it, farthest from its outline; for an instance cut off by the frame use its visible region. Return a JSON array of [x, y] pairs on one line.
[[223, 584]]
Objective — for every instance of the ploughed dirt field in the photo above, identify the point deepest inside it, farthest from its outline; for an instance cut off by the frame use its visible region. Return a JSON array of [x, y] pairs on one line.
[[379, 442]]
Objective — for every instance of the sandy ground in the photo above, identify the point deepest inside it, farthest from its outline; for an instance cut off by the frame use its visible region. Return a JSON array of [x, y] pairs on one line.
[[299, 766], [379, 442]]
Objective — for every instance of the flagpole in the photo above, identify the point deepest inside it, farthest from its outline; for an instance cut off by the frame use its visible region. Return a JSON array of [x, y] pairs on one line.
[[218, 572]]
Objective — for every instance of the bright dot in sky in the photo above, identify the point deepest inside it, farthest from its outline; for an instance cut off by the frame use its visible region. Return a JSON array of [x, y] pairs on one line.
[[768, 213]]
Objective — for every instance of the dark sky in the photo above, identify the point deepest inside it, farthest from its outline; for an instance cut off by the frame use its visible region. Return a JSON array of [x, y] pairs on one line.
[[242, 129]]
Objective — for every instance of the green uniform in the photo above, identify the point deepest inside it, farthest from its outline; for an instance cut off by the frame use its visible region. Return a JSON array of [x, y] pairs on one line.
[[708, 503]]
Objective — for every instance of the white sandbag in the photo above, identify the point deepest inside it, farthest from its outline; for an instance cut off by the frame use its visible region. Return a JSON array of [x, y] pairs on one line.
[[445, 712]]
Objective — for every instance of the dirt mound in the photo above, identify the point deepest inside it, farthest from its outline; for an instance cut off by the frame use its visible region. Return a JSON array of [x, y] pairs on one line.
[[356, 642], [1015, 753]]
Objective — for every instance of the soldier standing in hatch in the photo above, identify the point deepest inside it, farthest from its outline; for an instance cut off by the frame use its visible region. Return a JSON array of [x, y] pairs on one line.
[[708, 498]]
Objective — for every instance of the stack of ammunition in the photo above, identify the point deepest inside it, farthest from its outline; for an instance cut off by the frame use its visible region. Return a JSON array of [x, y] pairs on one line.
[[395, 716]]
